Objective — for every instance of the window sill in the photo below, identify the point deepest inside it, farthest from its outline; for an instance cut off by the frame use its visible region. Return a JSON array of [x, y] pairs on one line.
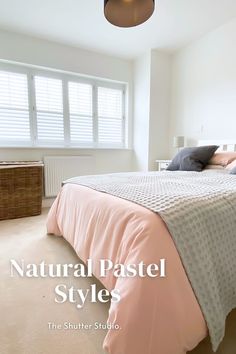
[[65, 148]]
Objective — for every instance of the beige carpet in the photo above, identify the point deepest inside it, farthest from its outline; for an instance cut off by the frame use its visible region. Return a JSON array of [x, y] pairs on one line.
[[27, 305]]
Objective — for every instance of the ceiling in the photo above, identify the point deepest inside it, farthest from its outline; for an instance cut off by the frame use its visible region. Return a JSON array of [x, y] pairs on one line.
[[81, 23]]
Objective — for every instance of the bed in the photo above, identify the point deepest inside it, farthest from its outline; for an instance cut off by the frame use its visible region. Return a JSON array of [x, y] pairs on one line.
[[155, 316]]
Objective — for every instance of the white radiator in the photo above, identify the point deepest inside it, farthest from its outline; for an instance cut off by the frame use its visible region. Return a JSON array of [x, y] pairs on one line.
[[59, 168]]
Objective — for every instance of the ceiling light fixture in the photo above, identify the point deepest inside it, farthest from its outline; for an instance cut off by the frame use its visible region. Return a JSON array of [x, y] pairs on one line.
[[128, 13]]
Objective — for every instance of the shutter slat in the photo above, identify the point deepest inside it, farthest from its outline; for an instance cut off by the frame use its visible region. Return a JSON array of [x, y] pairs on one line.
[[14, 107], [110, 121], [49, 109], [81, 108], [50, 126]]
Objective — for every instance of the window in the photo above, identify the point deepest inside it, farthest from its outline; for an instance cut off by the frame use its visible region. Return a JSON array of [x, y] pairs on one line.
[[14, 108], [50, 109], [110, 115], [81, 112]]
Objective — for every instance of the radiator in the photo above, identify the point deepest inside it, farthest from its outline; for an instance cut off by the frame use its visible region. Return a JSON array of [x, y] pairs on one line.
[[59, 168]]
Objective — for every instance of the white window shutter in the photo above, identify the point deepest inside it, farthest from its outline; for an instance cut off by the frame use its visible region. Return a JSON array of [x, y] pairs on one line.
[[81, 112], [49, 110], [46, 108], [110, 116], [14, 109]]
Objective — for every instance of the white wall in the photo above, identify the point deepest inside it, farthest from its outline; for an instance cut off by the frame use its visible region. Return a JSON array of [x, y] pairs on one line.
[[106, 160], [142, 70], [39, 52], [31, 50], [204, 87], [159, 107], [151, 108]]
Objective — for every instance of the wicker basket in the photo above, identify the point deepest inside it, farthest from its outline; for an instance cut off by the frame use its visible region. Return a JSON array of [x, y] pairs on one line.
[[20, 189]]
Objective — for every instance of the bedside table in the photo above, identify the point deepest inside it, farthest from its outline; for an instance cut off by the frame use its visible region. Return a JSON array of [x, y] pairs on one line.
[[162, 164]]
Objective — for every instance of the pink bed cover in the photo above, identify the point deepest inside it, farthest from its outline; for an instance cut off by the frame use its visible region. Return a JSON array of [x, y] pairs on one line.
[[156, 315]]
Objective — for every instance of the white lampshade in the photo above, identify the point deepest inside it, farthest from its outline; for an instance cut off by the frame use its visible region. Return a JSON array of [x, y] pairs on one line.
[[178, 141]]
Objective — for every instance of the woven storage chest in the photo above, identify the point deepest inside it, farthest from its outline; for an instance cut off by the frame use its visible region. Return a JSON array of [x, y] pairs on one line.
[[20, 189]]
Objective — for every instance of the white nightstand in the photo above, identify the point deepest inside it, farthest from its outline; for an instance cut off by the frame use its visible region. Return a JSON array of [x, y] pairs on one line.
[[162, 164]]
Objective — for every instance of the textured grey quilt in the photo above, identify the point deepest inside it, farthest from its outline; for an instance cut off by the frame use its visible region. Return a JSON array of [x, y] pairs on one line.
[[199, 209]]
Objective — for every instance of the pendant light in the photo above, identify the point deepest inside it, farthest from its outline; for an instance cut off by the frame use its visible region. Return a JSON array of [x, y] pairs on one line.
[[128, 13]]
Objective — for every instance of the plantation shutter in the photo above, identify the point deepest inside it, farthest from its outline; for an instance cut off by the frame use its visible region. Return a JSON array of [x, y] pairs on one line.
[[46, 108], [81, 112], [49, 110], [14, 109], [110, 116]]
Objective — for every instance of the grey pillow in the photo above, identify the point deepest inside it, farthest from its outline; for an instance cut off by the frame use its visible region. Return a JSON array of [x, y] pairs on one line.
[[233, 171], [192, 158]]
